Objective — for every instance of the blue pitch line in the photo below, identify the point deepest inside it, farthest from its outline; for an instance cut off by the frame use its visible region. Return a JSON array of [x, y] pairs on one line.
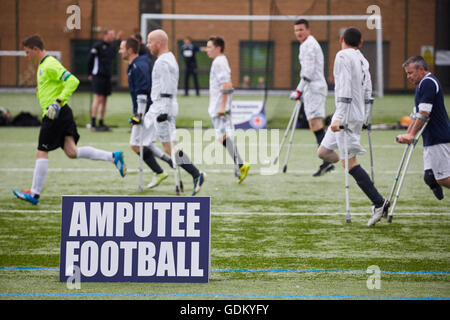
[[24, 268], [331, 271], [266, 270], [205, 295]]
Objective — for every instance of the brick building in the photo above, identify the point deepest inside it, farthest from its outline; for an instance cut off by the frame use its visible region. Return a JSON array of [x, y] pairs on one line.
[[257, 49]]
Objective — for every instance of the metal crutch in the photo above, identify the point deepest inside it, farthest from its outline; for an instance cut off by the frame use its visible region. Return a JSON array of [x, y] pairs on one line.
[[368, 126], [348, 101], [397, 195], [179, 179], [297, 111], [141, 156], [286, 132], [402, 162], [174, 160]]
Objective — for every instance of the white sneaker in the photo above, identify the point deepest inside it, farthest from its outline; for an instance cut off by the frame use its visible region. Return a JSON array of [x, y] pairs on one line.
[[377, 213], [157, 179]]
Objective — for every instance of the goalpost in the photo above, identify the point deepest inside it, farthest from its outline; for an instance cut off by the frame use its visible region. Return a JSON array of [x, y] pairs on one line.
[[21, 53], [14, 61], [148, 17]]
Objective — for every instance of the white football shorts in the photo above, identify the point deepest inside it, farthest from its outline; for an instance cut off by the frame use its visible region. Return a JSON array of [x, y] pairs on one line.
[[148, 136], [162, 129], [437, 158], [314, 104], [335, 140]]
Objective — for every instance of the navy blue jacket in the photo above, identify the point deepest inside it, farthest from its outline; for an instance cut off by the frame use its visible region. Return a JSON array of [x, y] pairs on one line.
[[429, 91], [139, 80]]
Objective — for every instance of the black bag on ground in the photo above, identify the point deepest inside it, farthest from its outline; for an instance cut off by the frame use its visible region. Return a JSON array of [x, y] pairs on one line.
[[25, 119]]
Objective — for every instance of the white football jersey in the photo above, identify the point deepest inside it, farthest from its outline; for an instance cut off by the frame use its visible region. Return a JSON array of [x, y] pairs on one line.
[[312, 67], [352, 81], [165, 76], [219, 74]]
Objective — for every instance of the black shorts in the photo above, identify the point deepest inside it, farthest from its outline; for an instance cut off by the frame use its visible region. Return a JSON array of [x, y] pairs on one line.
[[53, 132], [101, 85]]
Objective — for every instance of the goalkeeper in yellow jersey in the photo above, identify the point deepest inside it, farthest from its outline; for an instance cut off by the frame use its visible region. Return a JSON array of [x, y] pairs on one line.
[[58, 129]]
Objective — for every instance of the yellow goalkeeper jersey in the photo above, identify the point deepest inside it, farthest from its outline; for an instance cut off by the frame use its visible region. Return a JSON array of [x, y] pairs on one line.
[[54, 82]]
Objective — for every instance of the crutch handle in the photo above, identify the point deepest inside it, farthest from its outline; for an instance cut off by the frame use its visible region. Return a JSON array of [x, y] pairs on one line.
[[344, 127]]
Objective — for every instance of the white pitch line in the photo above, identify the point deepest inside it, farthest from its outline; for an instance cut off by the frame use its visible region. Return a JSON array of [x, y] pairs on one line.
[[326, 213], [204, 143], [30, 211], [136, 170], [267, 213]]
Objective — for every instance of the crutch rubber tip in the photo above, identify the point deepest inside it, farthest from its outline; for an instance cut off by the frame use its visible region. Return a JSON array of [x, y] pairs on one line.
[[389, 219], [181, 187], [348, 220], [285, 169]]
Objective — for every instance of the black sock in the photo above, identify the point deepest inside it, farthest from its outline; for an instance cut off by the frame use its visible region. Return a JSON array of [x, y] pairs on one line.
[[100, 123], [93, 122], [232, 150], [363, 180], [150, 160], [430, 180], [183, 161], [319, 135]]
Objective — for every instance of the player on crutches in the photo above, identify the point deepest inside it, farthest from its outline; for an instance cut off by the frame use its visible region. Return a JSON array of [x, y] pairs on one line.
[[352, 87], [219, 109], [165, 77], [142, 137], [429, 111]]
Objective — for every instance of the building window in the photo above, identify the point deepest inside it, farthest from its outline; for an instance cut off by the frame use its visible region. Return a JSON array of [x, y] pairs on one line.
[[256, 64], [295, 70]]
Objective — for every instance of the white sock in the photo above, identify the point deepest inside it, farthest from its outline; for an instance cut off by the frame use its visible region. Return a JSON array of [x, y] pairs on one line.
[[94, 154], [40, 171], [156, 151]]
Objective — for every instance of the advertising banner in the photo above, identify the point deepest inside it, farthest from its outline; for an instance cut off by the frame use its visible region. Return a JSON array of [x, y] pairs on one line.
[[248, 114], [135, 239]]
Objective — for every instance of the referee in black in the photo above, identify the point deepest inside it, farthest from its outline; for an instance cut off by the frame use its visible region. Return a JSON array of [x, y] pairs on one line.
[[188, 51], [100, 64]]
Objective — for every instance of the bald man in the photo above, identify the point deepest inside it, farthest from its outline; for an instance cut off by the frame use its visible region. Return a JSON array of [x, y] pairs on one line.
[[164, 109]]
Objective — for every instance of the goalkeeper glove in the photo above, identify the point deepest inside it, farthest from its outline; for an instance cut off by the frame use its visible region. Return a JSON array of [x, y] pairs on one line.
[[53, 110], [135, 120], [295, 95]]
